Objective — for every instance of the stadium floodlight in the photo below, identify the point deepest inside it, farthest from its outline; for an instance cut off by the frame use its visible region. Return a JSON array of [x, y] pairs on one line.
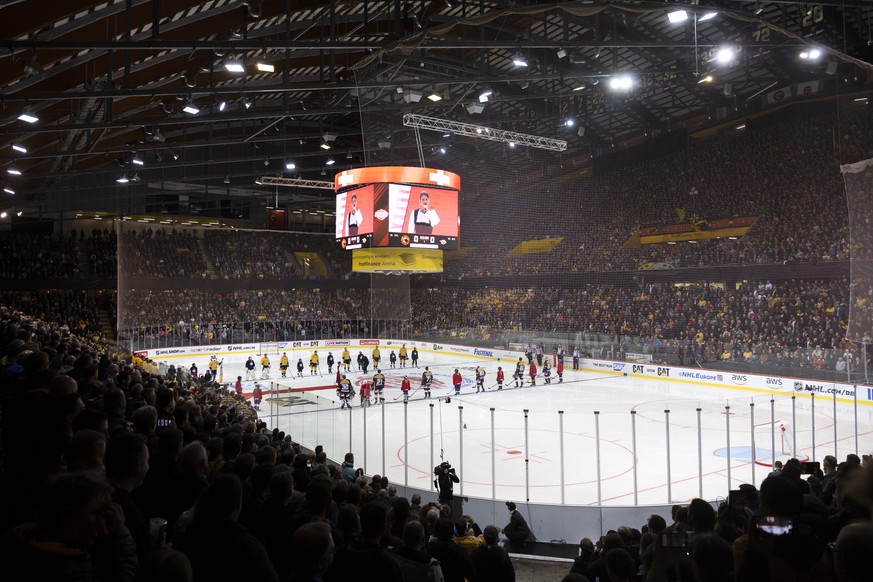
[[475, 108], [234, 65], [289, 165], [122, 179], [13, 171], [191, 109], [8, 190], [485, 94], [725, 55], [442, 150], [294, 183], [434, 96], [266, 67], [28, 116], [324, 145], [412, 96], [136, 160], [330, 161], [487, 133], [329, 136], [707, 16], [706, 79], [569, 122], [621, 83], [677, 16], [519, 60], [18, 147], [811, 54]]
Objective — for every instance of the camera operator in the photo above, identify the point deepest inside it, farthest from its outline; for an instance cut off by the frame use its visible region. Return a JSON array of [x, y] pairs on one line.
[[444, 482]]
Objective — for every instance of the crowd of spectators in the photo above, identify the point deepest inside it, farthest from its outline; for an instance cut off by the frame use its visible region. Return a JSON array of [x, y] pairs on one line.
[[73, 310], [102, 248], [32, 256], [120, 473]]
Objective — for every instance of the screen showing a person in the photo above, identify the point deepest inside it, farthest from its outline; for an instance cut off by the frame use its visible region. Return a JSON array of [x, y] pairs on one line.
[[422, 216], [354, 214]]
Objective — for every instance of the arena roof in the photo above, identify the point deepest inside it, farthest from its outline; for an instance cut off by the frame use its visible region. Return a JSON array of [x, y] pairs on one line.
[[108, 82]]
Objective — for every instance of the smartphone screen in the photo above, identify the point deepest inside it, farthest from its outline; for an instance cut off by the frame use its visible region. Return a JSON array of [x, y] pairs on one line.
[[774, 526]]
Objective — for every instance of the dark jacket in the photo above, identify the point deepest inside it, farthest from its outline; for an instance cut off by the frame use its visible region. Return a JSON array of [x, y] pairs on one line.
[[224, 550], [492, 564]]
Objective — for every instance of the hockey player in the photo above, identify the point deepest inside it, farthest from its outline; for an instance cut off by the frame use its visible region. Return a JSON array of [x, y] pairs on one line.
[[283, 365], [250, 369], [533, 374], [238, 385], [403, 356], [193, 372], [392, 358], [360, 360], [539, 355], [377, 357], [547, 372], [480, 379], [365, 393], [347, 360], [499, 378], [378, 386], [528, 353], [575, 358], [330, 363], [313, 364], [404, 387], [257, 395], [345, 392], [426, 380], [365, 363], [560, 353], [560, 370], [518, 376], [456, 382], [415, 357], [299, 367], [265, 367]]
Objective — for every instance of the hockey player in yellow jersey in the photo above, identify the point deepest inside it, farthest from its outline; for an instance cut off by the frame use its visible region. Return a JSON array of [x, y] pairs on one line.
[[347, 360], [377, 356], [283, 364], [403, 356], [313, 364], [265, 367]]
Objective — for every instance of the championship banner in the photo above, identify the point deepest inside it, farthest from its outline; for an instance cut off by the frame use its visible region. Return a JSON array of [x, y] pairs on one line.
[[380, 260], [533, 247]]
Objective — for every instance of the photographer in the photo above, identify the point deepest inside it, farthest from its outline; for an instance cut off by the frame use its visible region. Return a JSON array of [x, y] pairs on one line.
[[444, 482]]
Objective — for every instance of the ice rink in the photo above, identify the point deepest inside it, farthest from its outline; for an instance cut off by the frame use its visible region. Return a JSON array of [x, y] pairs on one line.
[[592, 439]]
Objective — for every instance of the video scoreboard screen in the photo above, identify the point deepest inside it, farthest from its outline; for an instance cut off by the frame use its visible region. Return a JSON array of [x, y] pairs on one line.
[[407, 214]]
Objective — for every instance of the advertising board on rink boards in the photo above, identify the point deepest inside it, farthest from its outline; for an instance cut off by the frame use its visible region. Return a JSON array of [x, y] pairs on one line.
[[741, 381]]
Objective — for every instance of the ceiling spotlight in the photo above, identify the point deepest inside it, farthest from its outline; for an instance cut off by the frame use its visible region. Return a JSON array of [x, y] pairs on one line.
[[122, 179], [158, 136], [707, 16], [266, 161], [222, 105], [227, 178], [28, 116], [8, 190], [246, 102], [191, 108], [621, 83], [325, 145], [677, 16], [13, 171], [190, 78], [512, 144], [3, 214], [137, 161], [519, 60], [561, 53], [323, 171], [442, 150], [349, 155], [811, 54], [475, 108], [434, 96], [329, 136], [412, 96], [485, 94], [135, 178], [32, 67], [254, 7], [330, 161], [706, 79], [234, 65], [18, 147], [569, 122], [290, 165], [265, 67], [725, 55]]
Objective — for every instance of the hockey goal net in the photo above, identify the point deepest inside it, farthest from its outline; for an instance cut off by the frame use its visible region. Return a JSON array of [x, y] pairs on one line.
[[269, 349], [774, 441]]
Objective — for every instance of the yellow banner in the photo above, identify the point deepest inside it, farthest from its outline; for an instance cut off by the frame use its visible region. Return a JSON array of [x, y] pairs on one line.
[[694, 235], [533, 247], [405, 260]]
